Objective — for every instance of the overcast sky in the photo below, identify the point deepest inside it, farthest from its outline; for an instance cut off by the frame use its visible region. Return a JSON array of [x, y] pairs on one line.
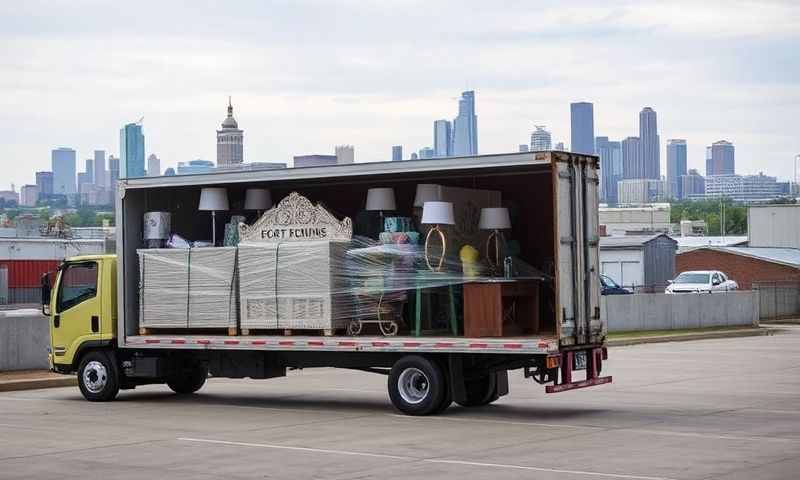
[[308, 75]]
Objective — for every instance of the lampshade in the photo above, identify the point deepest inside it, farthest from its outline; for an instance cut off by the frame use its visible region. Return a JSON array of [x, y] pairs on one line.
[[440, 213], [257, 199], [380, 199], [494, 219], [213, 199], [427, 192]]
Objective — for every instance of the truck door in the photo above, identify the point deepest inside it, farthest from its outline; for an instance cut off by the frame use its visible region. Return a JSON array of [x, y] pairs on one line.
[[77, 308]]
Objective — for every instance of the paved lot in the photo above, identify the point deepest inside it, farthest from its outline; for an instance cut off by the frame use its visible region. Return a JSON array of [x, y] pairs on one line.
[[721, 409]]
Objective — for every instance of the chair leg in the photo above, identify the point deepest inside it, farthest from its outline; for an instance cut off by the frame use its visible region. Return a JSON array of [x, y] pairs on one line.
[[418, 313], [453, 317]]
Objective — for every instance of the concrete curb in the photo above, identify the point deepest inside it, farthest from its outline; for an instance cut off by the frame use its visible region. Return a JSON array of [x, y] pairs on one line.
[[685, 337], [37, 383]]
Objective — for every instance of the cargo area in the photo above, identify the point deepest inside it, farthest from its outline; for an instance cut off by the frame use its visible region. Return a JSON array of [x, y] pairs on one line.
[[380, 288]]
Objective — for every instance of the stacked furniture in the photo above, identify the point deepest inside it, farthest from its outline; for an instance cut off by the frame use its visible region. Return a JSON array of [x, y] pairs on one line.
[[187, 288]]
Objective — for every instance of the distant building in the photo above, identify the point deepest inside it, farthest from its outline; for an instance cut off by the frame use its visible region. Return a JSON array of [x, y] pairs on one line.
[[44, 180], [414, 156], [234, 167], [745, 188], [169, 172], [465, 126], [345, 154], [195, 166], [523, 147], [113, 172], [442, 138], [632, 165], [230, 140], [10, 195], [693, 185], [541, 140], [631, 220], [153, 166], [89, 169], [649, 143], [28, 195], [582, 127], [676, 167], [720, 159], [427, 153], [314, 160], [560, 147], [610, 154], [131, 151], [641, 190], [397, 153], [100, 174], [63, 166], [746, 265]]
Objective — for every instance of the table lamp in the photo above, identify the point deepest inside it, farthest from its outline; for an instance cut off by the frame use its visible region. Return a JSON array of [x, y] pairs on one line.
[[494, 219], [437, 213], [257, 199], [213, 200], [427, 192], [380, 200]]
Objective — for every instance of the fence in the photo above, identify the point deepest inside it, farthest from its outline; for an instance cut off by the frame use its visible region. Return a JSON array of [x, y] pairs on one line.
[[658, 311], [778, 300]]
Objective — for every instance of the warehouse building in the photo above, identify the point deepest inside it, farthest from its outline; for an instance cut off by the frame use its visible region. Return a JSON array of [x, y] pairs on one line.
[[746, 265], [642, 263]]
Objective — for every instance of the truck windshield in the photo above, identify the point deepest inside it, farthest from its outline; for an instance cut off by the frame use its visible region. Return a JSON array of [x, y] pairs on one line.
[[690, 277]]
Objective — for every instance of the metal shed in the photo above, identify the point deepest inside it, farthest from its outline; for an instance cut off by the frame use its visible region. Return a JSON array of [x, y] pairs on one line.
[[641, 262]]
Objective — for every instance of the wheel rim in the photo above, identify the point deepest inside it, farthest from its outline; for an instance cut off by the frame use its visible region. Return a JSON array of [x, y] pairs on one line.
[[413, 385], [95, 376]]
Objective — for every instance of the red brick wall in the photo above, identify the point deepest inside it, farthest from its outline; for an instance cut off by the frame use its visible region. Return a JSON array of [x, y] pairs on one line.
[[745, 270]]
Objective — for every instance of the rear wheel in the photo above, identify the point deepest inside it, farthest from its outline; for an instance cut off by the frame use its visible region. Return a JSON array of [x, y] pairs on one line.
[[188, 380], [417, 385], [480, 391], [98, 377]]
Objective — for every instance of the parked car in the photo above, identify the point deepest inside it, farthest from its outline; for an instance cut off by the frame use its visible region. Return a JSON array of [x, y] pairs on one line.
[[701, 281], [610, 287]]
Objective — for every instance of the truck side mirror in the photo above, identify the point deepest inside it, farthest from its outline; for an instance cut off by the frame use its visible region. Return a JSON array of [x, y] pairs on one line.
[[46, 290]]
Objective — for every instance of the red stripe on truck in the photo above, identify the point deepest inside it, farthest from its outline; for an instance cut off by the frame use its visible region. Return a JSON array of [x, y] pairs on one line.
[[231, 342], [152, 340], [512, 345], [178, 341], [203, 342]]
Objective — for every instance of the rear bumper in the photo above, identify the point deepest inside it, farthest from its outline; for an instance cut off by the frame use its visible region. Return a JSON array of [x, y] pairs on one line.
[[594, 364]]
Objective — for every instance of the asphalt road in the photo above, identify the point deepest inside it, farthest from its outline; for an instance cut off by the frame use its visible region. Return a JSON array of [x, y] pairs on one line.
[[714, 409]]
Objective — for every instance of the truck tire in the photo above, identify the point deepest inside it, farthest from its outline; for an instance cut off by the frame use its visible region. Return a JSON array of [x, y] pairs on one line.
[[480, 391], [188, 380], [417, 385], [98, 377]]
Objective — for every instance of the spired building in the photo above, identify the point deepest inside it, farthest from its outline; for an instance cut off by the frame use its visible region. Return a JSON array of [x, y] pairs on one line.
[[649, 144], [230, 140], [465, 126], [541, 140]]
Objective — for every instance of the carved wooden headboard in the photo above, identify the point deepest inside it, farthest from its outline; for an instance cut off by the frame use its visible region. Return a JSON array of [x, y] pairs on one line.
[[296, 219]]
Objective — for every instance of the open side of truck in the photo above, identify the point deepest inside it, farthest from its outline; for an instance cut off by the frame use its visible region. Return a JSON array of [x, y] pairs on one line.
[[94, 309]]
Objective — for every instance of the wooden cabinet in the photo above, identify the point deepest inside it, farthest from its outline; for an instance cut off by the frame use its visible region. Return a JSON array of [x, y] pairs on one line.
[[501, 308]]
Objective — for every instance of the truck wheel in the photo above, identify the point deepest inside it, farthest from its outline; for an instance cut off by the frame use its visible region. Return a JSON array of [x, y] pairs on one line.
[[98, 377], [417, 385], [188, 380], [480, 391]]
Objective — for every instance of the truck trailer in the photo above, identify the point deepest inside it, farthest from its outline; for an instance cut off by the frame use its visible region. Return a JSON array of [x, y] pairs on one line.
[[548, 324]]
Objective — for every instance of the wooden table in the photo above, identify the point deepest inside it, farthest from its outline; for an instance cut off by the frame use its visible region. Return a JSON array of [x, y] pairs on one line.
[[501, 307]]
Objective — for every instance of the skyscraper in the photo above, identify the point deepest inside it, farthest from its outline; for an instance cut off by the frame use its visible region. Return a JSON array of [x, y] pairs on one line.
[[89, 170], [230, 140], [632, 166], [100, 175], [560, 147], [582, 127], [465, 126], [131, 151], [676, 167], [720, 159], [541, 139], [610, 154], [426, 153], [693, 184], [524, 147], [397, 153], [649, 144], [44, 180], [63, 166], [345, 154], [153, 166], [442, 138]]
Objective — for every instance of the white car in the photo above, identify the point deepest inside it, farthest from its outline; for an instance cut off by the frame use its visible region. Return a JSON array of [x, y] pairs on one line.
[[701, 281]]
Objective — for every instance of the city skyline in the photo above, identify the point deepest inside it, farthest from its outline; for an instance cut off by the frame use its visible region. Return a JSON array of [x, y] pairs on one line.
[[291, 74]]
